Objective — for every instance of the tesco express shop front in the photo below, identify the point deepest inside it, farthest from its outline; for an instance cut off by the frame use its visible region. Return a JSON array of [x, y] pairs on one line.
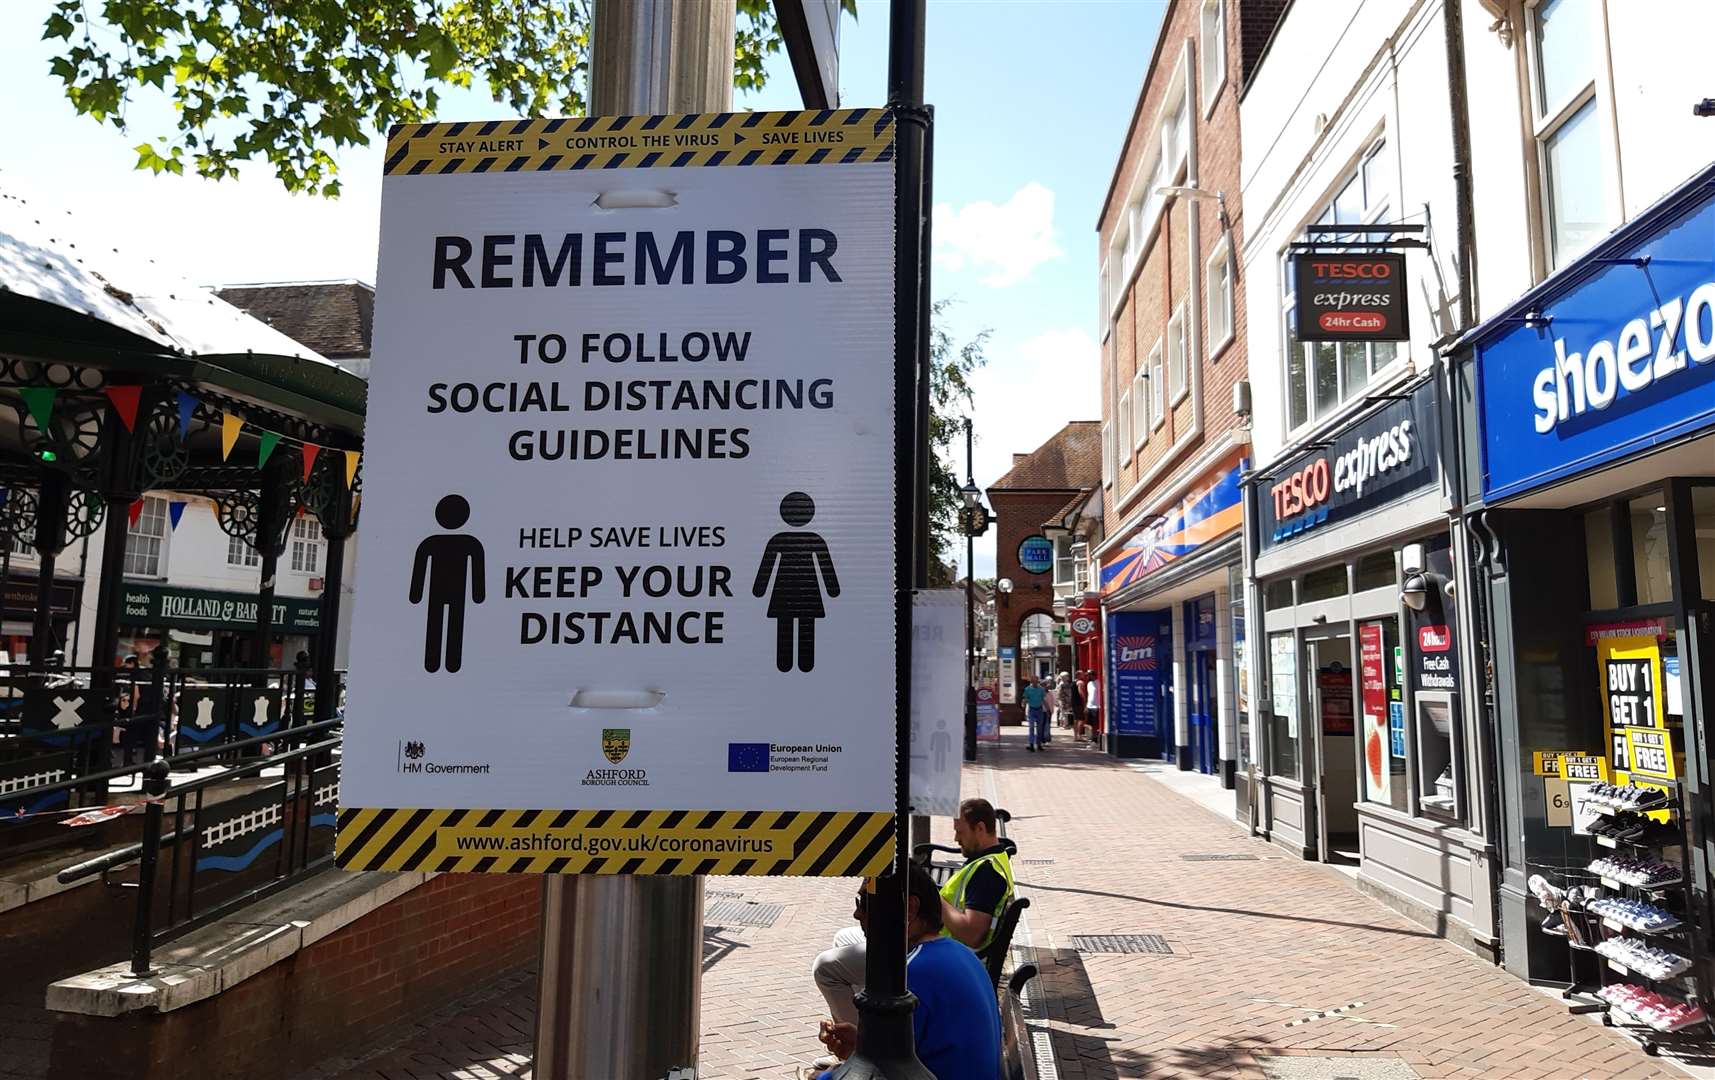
[[1588, 428]]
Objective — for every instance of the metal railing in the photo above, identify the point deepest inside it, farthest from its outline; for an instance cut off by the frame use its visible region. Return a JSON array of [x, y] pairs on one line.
[[86, 724], [222, 855]]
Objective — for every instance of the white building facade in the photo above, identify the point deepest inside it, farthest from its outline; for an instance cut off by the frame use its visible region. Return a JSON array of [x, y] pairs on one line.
[[1364, 744]]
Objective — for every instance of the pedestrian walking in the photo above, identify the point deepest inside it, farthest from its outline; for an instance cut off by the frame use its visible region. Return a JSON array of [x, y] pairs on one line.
[[1093, 705], [1035, 714]]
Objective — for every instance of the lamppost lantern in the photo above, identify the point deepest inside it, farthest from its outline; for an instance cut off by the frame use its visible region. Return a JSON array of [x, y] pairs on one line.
[[972, 495]]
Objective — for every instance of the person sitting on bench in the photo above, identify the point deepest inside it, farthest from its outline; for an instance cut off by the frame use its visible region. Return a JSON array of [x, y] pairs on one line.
[[956, 1022], [979, 891], [971, 904]]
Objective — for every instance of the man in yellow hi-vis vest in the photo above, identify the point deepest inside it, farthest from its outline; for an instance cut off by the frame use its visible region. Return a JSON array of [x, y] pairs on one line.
[[979, 891]]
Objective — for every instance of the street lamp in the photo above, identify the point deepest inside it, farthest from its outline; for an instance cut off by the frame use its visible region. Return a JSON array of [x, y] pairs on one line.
[[1182, 191], [976, 522]]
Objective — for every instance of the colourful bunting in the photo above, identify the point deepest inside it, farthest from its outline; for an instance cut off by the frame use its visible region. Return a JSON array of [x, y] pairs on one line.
[[135, 512], [269, 442], [310, 452], [40, 400], [125, 400], [230, 426], [351, 459], [176, 510], [187, 406]]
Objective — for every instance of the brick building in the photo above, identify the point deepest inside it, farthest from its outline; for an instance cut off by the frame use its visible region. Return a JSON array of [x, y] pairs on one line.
[[1032, 494], [1174, 437]]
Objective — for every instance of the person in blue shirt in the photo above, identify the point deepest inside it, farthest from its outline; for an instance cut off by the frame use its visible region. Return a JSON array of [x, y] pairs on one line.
[[1036, 713], [957, 1019]]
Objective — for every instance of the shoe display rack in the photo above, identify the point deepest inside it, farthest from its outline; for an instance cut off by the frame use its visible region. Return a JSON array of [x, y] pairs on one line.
[[1629, 918]]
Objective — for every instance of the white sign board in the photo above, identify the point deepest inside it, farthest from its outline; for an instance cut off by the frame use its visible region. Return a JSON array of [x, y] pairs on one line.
[[937, 700], [627, 546]]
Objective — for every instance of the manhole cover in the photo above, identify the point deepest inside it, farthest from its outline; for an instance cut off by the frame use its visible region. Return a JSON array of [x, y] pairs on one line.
[[1121, 943], [1217, 856], [1336, 1068], [742, 913]]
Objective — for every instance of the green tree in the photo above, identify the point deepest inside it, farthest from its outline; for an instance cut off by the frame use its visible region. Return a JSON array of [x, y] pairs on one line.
[[950, 402], [290, 82]]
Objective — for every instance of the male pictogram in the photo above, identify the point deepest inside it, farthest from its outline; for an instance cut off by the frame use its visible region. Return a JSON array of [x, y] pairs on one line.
[[796, 600], [450, 563]]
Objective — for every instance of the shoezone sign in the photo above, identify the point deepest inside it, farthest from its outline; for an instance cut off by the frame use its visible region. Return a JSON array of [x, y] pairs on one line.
[[629, 562]]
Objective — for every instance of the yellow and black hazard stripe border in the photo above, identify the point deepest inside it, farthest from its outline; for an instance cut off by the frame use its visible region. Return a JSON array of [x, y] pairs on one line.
[[759, 843], [691, 140]]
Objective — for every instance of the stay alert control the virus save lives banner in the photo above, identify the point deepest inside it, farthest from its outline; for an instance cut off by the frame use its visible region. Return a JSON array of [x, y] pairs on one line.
[[628, 552]]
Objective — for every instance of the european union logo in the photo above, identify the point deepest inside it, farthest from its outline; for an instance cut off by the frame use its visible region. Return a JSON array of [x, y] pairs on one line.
[[746, 757]]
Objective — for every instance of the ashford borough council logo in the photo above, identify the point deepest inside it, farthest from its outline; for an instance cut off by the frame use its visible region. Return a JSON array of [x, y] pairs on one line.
[[615, 743]]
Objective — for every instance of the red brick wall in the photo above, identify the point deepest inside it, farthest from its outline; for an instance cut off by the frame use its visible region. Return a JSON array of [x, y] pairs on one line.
[[400, 962], [1162, 280], [1018, 516]]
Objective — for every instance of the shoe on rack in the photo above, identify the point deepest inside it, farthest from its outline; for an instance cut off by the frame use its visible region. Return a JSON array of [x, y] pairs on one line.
[[1648, 798]]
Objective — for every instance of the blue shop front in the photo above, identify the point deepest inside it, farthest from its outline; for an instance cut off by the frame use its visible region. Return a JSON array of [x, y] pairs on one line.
[[1172, 594], [1586, 429]]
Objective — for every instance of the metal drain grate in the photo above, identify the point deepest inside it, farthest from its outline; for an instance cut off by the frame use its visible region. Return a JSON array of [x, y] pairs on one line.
[[742, 913], [1336, 1068], [1217, 856], [721, 894], [1121, 943], [1034, 862]]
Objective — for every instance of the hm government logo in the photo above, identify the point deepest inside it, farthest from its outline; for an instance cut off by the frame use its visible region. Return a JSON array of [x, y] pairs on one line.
[[414, 750], [615, 743]]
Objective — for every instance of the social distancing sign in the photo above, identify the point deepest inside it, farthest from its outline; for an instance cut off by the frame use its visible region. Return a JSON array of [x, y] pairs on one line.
[[628, 550]]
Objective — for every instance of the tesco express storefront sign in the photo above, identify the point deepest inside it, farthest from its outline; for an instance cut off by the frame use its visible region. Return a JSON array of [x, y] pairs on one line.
[[1608, 360]]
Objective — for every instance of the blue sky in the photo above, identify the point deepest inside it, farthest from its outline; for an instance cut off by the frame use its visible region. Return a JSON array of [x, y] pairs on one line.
[[1032, 100]]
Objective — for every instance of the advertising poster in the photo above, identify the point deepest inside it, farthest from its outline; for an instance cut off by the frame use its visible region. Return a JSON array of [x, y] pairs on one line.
[[1009, 675], [1630, 672], [1378, 765], [1334, 684], [1137, 657], [937, 700], [1283, 680], [629, 565]]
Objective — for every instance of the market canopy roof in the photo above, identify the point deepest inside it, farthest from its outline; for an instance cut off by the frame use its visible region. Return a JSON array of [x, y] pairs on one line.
[[66, 296]]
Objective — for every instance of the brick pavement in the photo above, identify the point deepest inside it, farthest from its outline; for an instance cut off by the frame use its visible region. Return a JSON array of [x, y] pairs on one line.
[[1257, 944]]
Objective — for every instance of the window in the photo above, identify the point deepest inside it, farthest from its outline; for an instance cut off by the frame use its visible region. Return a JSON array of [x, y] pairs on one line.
[[1104, 320], [1212, 51], [1567, 43], [1283, 704], [239, 553], [1081, 567], [1703, 523], [21, 547], [1157, 385], [146, 541], [1108, 454], [306, 545], [1176, 350], [1322, 376], [1140, 406], [1384, 735], [1123, 432], [1218, 294], [1375, 571], [1064, 568]]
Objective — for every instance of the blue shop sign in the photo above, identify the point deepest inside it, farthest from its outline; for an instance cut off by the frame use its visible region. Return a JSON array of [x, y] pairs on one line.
[[1610, 358], [1139, 652]]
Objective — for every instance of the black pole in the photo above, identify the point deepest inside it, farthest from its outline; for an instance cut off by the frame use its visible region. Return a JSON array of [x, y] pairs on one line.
[[8, 521], [970, 612], [51, 508], [269, 530], [886, 1045]]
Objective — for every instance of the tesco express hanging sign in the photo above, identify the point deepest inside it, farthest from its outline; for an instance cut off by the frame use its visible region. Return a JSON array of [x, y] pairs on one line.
[[1615, 359]]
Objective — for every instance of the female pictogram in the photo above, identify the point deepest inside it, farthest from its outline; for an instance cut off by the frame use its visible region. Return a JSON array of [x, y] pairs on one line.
[[796, 602]]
